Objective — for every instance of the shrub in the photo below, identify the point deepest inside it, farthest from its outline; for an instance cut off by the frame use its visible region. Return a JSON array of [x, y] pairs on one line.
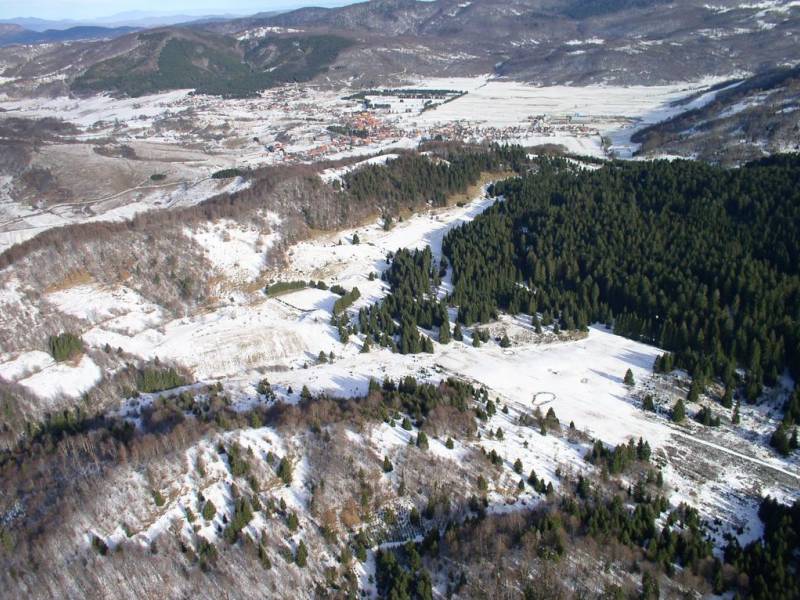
[[152, 380], [283, 287], [209, 510], [64, 346], [228, 174]]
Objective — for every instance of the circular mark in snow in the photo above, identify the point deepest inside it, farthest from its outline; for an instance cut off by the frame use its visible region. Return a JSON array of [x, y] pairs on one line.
[[542, 398]]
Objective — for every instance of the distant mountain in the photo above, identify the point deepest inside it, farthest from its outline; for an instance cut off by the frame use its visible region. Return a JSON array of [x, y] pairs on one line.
[[134, 19], [34, 24], [14, 34], [545, 42], [557, 41], [747, 119], [180, 58]]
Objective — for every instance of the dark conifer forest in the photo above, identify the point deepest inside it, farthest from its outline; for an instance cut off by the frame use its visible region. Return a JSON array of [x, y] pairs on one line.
[[696, 259]]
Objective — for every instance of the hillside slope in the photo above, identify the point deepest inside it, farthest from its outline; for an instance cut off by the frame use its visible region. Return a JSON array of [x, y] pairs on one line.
[[560, 41], [748, 119], [181, 58]]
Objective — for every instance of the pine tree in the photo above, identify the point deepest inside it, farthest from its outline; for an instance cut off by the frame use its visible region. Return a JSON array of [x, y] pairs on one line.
[[285, 470], [736, 418], [505, 342], [444, 333], [209, 510], [305, 393], [629, 381], [694, 391], [518, 466], [648, 404], [301, 558], [450, 445], [458, 335], [292, 522], [356, 239], [422, 441], [537, 324], [476, 342], [387, 465], [365, 348], [678, 411], [650, 590], [780, 441], [727, 397]]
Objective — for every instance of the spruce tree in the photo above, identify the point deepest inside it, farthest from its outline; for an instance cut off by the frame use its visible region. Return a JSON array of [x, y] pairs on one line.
[[292, 522], [648, 404], [678, 411], [727, 397], [650, 590], [629, 381], [694, 391], [301, 557], [458, 335], [387, 465]]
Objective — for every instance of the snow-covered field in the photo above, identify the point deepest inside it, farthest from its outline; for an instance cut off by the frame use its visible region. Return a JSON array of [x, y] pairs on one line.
[[581, 115]]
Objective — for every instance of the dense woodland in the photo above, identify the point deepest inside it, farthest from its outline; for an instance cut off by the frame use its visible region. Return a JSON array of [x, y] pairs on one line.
[[396, 185], [212, 64], [698, 260]]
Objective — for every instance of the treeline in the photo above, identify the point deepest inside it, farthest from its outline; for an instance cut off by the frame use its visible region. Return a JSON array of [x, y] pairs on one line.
[[698, 260], [158, 379], [408, 182], [770, 563], [346, 301], [412, 178], [411, 304], [351, 131]]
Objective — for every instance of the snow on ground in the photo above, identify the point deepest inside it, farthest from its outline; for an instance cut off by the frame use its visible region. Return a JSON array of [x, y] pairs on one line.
[[236, 250], [118, 308], [331, 175], [582, 114], [63, 379], [25, 365], [585, 376], [226, 341], [292, 329]]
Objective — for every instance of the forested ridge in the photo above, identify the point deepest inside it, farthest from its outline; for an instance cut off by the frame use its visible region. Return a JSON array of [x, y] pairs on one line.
[[699, 260]]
